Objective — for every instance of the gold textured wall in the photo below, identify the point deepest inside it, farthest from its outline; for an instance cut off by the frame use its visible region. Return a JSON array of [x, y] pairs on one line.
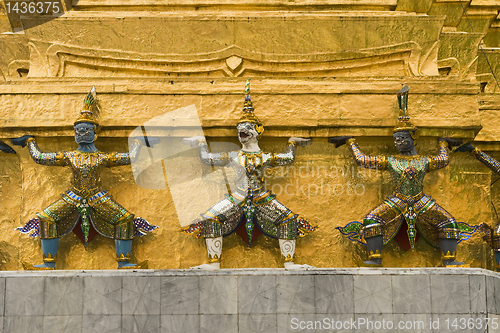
[[317, 69], [322, 185]]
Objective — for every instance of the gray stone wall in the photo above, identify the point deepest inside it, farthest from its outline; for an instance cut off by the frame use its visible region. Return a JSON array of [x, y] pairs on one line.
[[251, 300]]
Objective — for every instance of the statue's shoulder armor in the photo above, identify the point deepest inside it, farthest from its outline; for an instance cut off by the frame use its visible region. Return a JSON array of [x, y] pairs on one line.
[[100, 155], [397, 159]]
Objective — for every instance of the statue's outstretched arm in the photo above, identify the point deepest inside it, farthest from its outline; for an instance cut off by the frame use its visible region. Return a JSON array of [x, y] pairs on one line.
[[442, 159], [366, 161], [288, 157], [116, 159], [39, 157], [487, 160], [482, 157], [206, 157]]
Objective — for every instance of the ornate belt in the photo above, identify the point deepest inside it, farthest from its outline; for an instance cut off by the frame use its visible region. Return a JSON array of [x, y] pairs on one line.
[[77, 198]]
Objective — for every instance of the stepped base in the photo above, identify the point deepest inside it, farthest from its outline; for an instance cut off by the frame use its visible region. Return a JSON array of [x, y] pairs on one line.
[[249, 300]]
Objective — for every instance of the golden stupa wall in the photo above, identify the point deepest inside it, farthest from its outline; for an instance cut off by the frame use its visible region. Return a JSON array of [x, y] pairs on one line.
[[318, 69]]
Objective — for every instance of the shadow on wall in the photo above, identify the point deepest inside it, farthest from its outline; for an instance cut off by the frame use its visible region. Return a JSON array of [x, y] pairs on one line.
[[10, 206]]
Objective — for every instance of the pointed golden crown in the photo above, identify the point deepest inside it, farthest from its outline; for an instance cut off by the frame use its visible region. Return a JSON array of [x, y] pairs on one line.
[[248, 115], [403, 118], [86, 115]]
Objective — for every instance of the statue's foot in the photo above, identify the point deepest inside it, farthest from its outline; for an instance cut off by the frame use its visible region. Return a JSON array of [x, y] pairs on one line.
[[292, 266], [209, 267], [371, 263], [453, 263], [127, 265], [48, 266]]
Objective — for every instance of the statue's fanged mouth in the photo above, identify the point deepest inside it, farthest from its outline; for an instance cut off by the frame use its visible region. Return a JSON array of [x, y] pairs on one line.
[[243, 135]]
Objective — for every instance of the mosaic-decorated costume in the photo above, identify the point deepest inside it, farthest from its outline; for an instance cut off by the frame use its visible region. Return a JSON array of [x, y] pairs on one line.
[[86, 198], [250, 209], [407, 204], [86, 203], [492, 235], [259, 206]]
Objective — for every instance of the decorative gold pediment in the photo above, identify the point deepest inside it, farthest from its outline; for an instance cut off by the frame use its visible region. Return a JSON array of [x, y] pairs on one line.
[[397, 60], [281, 44], [14, 56]]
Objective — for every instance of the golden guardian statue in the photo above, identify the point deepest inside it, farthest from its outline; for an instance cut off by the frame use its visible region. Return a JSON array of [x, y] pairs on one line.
[[86, 208]]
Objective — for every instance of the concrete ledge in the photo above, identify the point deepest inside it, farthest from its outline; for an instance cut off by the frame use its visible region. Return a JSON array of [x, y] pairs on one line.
[[247, 300]]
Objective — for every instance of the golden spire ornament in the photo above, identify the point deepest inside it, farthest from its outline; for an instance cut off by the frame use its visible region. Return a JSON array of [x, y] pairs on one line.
[[86, 115]]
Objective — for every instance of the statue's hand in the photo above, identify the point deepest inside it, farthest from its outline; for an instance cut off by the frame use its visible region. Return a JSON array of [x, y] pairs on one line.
[[6, 148], [21, 141], [339, 140], [149, 141], [452, 142], [153, 141], [302, 142], [193, 141], [466, 147]]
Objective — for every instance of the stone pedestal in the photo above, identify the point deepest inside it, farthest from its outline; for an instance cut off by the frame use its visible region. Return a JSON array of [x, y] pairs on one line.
[[250, 300]]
